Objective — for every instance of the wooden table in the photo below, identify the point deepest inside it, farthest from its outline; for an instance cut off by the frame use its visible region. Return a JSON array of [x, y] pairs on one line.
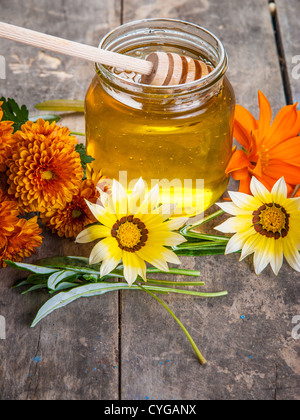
[[125, 346]]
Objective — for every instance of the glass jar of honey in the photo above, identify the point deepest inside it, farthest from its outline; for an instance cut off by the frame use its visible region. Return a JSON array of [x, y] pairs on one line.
[[178, 136]]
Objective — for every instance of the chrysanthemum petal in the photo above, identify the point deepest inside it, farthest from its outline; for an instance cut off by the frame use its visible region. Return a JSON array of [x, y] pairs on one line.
[[92, 233]]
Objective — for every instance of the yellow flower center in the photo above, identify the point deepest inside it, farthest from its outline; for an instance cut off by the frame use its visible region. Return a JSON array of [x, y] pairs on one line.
[[47, 175], [271, 220], [130, 233]]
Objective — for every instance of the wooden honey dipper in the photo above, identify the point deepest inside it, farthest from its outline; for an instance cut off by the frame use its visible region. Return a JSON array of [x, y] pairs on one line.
[[159, 68]]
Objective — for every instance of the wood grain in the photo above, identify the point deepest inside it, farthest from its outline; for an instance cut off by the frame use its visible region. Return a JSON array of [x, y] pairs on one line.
[[287, 14], [249, 358], [74, 353]]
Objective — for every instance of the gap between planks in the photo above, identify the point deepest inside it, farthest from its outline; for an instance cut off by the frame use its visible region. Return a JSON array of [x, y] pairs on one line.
[[281, 53]]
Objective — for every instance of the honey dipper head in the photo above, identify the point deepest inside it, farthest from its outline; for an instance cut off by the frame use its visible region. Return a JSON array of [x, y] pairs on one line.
[[174, 69]]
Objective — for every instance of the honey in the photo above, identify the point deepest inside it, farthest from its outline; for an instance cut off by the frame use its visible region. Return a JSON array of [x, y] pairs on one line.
[[180, 136]]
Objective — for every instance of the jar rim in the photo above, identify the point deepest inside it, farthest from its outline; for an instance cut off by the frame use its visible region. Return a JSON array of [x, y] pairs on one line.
[[218, 71]]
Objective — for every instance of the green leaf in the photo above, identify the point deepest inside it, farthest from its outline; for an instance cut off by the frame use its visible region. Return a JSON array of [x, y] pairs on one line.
[[59, 276], [49, 117], [64, 298], [85, 159], [61, 105], [12, 112], [33, 288], [30, 267]]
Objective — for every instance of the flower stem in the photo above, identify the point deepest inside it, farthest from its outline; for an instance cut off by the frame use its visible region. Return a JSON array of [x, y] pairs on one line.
[[197, 351]]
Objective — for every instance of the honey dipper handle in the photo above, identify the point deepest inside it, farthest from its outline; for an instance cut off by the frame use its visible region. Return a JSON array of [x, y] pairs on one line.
[[74, 49]]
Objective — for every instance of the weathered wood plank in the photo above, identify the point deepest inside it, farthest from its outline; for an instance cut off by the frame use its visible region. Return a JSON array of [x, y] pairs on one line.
[[253, 357], [288, 18], [73, 354]]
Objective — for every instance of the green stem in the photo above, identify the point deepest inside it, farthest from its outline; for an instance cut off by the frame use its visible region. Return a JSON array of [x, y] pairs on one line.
[[63, 105], [187, 230], [197, 351], [75, 133], [176, 283], [179, 271]]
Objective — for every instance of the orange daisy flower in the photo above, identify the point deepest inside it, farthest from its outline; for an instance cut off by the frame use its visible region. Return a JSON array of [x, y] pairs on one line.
[[6, 140], [71, 220], [22, 242], [45, 170], [270, 151]]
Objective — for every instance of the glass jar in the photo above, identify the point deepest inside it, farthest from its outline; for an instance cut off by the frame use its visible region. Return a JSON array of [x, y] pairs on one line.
[[178, 136]]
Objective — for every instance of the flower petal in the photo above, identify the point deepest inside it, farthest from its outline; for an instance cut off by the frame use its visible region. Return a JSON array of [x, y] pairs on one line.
[[137, 197], [291, 253], [102, 215], [232, 209], [265, 116], [176, 223], [109, 264], [238, 240], [104, 249], [260, 191], [263, 255], [277, 260], [244, 201], [131, 267], [92, 233], [154, 256], [279, 191], [150, 202], [236, 224], [238, 162], [120, 200]]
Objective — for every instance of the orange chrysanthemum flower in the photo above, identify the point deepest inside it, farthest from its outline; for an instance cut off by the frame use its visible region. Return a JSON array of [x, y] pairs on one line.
[[6, 140], [71, 220], [270, 151], [8, 219], [45, 170], [22, 241]]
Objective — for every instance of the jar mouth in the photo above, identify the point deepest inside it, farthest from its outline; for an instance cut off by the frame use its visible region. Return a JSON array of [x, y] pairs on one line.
[[160, 29]]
